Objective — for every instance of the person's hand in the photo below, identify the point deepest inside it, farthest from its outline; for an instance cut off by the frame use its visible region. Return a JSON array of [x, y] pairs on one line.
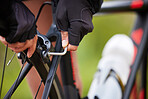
[[19, 24], [18, 29], [21, 46], [65, 42], [74, 20]]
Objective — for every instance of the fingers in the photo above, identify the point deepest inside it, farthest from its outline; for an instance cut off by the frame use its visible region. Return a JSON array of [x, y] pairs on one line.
[[32, 48], [30, 45], [65, 42], [64, 35], [19, 47], [72, 47], [11, 46], [2, 39], [16, 45]]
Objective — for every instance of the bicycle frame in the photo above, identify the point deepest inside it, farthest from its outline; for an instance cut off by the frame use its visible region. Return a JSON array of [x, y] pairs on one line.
[[70, 91], [48, 77]]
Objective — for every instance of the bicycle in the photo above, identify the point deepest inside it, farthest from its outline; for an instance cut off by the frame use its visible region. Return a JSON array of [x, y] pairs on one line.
[[68, 90]]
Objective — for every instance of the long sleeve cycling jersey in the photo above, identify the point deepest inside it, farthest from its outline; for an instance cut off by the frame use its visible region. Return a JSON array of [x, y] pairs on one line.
[[16, 21], [74, 16]]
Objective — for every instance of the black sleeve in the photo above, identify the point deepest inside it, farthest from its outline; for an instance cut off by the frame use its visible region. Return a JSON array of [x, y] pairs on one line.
[[74, 16], [19, 23]]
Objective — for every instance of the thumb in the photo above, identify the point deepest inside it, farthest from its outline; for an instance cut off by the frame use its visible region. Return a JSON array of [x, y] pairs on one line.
[[30, 52], [32, 47], [64, 35]]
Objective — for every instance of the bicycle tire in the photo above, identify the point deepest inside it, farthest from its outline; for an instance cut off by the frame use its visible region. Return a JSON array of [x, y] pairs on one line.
[[56, 89]]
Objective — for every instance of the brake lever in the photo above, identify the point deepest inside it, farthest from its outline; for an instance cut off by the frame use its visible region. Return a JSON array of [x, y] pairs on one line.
[[58, 53], [45, 41]]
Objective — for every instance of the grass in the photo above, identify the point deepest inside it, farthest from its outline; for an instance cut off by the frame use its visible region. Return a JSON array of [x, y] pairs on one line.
[[11, 74], [89, 52]]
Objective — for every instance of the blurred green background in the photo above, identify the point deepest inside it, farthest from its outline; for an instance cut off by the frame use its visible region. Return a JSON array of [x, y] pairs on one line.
[[89, 52]]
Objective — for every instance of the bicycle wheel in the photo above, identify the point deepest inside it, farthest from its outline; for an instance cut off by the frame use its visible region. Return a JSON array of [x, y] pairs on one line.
[[43, 68]]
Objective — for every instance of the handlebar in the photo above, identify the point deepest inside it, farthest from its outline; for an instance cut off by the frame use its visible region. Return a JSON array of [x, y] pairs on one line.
[[58, 53], [123, 6]]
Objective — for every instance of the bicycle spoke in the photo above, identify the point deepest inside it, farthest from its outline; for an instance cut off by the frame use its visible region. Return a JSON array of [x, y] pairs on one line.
[[3, 70], [38, 89], [11, 59], [18, 75]]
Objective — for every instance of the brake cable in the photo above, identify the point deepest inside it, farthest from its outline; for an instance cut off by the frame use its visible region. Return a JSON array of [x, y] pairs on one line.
[[11, 59], [24, 61], [3, 70], [38, 89]]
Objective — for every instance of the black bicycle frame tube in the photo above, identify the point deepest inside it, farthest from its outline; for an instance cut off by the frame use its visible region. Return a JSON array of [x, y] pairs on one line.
[[55, 59], [21, 77], [143, 86], [53, 68], [68, 77], [70, 91], [141, 26]]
